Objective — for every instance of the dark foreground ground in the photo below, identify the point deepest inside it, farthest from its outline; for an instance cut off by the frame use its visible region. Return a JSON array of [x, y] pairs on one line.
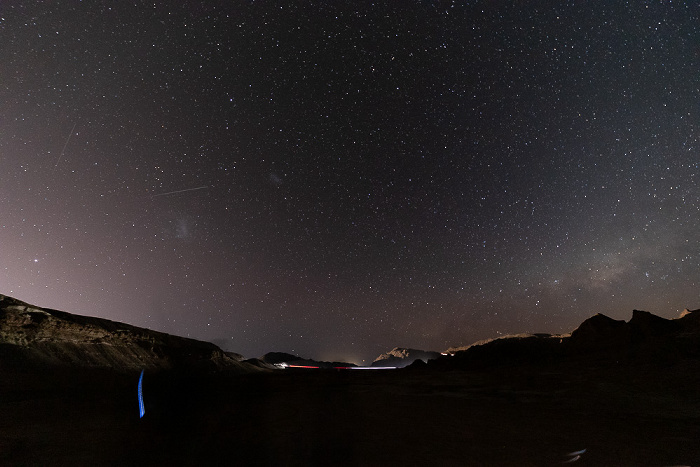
[[519, 417]]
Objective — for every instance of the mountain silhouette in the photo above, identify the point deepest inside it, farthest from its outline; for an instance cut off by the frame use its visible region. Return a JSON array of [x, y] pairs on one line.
[[42, 336]]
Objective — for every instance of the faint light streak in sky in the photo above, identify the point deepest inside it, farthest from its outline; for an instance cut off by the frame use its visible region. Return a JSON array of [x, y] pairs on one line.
[[180, 191], [64, 147]]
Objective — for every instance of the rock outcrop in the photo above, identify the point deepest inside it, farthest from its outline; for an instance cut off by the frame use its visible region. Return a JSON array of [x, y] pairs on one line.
[[42, 336]]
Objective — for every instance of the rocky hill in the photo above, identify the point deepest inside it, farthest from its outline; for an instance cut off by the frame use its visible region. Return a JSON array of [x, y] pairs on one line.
[[42, 336], [600, 340], [644, 337]]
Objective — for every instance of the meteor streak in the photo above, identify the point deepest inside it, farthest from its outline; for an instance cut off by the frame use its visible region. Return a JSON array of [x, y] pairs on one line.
[[64, 147], [180, 191]]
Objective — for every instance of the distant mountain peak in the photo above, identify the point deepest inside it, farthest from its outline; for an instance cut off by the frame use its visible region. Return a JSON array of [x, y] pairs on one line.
[[402, 356]]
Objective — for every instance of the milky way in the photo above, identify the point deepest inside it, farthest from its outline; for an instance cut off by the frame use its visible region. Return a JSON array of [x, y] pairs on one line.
[[334, 179]]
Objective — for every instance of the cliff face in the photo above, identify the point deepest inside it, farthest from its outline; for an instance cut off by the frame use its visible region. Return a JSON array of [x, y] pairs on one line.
[[30, 334]]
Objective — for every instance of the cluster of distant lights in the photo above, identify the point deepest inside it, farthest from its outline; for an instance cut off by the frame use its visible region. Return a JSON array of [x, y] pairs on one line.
[[284, 365], [287, 365]]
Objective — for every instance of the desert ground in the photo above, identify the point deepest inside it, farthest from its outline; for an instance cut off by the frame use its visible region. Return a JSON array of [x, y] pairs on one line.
[[518, 416]]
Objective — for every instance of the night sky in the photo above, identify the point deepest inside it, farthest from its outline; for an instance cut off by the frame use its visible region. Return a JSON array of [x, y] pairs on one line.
[[334, 179]]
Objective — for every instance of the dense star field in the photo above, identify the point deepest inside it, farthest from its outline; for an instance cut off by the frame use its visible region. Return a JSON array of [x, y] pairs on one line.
[[333, 179]]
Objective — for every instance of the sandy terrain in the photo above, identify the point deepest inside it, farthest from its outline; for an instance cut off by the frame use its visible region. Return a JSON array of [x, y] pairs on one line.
[[510, 416]]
